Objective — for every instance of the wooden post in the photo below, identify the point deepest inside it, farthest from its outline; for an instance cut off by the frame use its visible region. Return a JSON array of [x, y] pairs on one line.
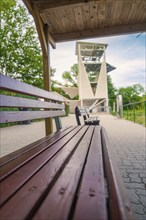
[[43, 34], [47, 79]]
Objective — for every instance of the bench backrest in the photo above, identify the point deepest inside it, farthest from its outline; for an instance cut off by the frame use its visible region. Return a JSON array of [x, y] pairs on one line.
[[81, 112], [33, 103]]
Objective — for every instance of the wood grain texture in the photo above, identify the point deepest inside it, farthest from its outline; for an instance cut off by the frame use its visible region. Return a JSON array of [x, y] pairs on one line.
[[62, 177], [91, 200], [10, 84], [89, 16], [11, 101], [15, 116]]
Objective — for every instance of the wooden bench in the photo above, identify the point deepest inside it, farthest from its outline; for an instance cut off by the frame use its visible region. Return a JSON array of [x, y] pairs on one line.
[[94, 120], [31, 98], [68, 175]]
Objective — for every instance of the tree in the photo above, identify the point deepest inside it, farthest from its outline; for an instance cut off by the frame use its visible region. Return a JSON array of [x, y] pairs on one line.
[[20, 51], [111, 91], [71, 76], [131, 94]]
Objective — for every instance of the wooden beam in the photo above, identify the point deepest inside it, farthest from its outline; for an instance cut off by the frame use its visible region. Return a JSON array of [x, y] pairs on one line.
[[47, 77], [39, 25], [40, 29], [45, 5], [101, 32], [51, 40], [28, 5]]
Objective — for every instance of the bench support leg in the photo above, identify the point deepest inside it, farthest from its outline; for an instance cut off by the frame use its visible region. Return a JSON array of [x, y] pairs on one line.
[[58, 123]]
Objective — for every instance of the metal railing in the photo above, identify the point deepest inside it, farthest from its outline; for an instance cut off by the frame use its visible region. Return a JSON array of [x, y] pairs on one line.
[[135, 112]]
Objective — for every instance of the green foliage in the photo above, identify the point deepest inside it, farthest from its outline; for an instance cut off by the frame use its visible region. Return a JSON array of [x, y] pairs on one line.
[[20, 52], [131, 94], [111, 91], [135, 112], [7, 4], [70, 77]]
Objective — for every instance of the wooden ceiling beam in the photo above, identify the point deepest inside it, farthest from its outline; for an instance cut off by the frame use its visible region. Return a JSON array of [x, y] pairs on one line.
[[28, 5], [40, 26], [101, 32], [45, 5]]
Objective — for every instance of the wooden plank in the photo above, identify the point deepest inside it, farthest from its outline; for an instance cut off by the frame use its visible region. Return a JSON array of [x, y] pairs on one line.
[[30, 152], [15, 116], [45, 5], [11, 101], [109, 11], [94, 15], [101, 32], [56, 21], [79, 18], [10, 84], [62, 17], [133, 11], [71, 17], [9, 157], [101, 14], [34, 191], [117, 12], [119, 207], [25, 172], [64, 189], [91, 200], [141, 15], [85, 15], [126, 8]]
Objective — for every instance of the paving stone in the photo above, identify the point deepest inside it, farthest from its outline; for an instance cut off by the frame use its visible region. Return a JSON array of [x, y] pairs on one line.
[[124, 173], [144, 180], [127, 163], [141, 172], [134, 177], [139, 217], [141, 192], [138, 208], [142, 175], [126, 180], [135, 185], [138, 166], [142, 200], [134, 198]]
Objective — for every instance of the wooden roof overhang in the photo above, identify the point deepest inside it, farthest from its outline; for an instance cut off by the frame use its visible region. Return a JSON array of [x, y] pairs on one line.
[[80, 19], [65, 20]]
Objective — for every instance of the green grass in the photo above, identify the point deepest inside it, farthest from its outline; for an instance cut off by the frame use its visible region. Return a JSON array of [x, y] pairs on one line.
[[139, 116]]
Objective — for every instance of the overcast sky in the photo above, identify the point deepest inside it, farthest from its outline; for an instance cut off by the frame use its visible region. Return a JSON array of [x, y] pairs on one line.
[[126, 52]]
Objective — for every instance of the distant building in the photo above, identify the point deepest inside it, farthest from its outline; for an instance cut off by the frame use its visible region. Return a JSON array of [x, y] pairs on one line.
[[92, 78]]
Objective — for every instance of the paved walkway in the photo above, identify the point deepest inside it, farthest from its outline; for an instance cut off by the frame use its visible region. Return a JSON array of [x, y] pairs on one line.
[[126, 138]]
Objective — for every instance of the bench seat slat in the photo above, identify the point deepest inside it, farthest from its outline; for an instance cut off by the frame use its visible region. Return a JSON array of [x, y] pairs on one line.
[[12, 101], [91, 201], [15, 116], [9, 157], [40, 183], [10, 84], [119, 205], [66, 186], [24, 173], [32, 152]]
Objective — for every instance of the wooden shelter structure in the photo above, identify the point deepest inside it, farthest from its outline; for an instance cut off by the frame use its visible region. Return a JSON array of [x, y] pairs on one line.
[[64, 20]]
